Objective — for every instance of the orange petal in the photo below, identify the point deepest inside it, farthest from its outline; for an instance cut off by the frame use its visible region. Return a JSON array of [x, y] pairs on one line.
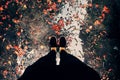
[[45, 12], [16, 21], [96, 5], [90, 5]]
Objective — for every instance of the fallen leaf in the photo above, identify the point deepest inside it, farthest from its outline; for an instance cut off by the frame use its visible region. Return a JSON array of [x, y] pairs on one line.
[[45, 12], [59, 1], [61, 22], [18, 33], [56, 27], [4, 17], [16, 21], [54, 6], [96, 5], [1, 9], [87, 30], [97, 22], [1, 23], [5, 72], [24, 6], [8, 47], [105, 9]]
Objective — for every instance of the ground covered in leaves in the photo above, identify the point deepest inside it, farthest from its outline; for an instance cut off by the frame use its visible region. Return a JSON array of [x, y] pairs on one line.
[[27, 25]]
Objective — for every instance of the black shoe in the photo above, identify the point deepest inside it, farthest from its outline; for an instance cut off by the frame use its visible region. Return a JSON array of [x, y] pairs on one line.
[[52, 42], [62, 42]]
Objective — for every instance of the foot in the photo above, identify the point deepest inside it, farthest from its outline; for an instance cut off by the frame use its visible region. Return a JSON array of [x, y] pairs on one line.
[[53, 43], [62, 43]]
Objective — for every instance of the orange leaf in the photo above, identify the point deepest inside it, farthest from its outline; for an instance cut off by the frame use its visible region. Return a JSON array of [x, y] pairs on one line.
[[19, 51], [16, 47], [7, 47], [18, 33], [97, 22], [59, 1], [5, 72], [4, 17], [105, 9], [56, 27], [17, 1], [61, 22], [45, 11], [57, 32], [103, 15], [1, 9], [53, 6]]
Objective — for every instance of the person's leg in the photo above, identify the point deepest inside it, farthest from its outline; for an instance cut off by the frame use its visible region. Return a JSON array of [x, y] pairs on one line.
[[43, 67], [49, 59], [53, 43], [64, 56], [73, 68]]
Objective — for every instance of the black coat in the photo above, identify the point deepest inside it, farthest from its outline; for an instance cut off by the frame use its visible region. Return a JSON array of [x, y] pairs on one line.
[[70, 68]]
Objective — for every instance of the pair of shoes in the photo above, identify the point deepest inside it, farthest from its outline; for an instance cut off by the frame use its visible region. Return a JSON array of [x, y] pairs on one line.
[[53, 42]]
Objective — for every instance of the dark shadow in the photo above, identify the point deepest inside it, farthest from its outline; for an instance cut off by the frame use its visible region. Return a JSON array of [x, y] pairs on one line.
[[42, 69], [70, 68], [74, 69]]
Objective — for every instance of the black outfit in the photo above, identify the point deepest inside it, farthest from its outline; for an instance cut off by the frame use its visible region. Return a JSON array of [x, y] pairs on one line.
[[74, 69], [70, 68], [42, 69]]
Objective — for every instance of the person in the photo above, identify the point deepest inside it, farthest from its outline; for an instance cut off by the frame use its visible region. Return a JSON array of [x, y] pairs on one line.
[[69, 68]]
